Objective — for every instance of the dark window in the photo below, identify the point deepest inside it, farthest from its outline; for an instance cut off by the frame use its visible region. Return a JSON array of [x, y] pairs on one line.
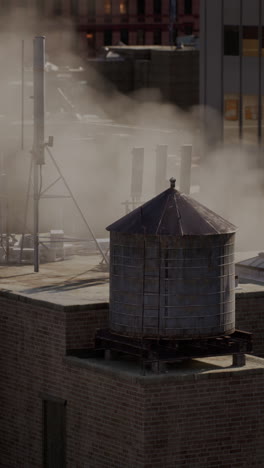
[[250, 41], [188, 7], [157, 37], [157, 7], [141, 7], [57, 7], [91, 7], [188, 29], [54, 434], [74, 7], [231, 40], [90, 37], [250, 32], [124, 36], [108, 37], [140, 37]]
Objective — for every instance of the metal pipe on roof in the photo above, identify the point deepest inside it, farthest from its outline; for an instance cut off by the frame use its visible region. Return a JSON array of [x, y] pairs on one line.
[[161, 168], [186, 164], [137, 173]]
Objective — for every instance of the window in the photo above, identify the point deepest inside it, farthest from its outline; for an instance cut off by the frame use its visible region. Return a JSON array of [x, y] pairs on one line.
[[188, 29], [157, 37], [141, 7], [231, 40], [231, 118], [107, 7], [108, 37], [74, 7], [188, 7], [57, 7], [250, 41], [91, 7], [250, 118], [157, 7], [124, 36], [231, 109], [123, 7], [90, 37], [140, 37]]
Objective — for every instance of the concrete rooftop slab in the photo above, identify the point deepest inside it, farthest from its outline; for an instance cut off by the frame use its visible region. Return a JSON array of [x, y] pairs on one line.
[[74, 281]]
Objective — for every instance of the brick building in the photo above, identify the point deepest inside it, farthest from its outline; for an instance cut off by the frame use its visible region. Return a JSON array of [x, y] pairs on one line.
[[139, 22], [107, 22], [63, 409]]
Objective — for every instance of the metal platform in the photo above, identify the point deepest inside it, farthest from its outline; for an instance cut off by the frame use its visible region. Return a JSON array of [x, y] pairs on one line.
[[157, 354]]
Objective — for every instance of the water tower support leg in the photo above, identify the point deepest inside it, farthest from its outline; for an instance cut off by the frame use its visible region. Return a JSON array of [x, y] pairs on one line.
[[155, 367], [108, 355], [239, 360]]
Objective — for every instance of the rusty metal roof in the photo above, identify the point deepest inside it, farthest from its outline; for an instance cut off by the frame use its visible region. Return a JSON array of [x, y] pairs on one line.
[[173, 214]]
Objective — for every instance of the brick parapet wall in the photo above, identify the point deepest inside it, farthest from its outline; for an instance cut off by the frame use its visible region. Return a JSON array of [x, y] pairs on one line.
[[205, 420], [31, 348], [82, 323], [193, 420], [107, 410], [250, 317]]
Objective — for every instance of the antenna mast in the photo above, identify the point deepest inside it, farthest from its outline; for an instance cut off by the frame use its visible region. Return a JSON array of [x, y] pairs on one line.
[[38, 145]]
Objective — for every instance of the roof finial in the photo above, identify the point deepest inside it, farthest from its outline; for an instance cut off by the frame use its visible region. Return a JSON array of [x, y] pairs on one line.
[[172, 182]]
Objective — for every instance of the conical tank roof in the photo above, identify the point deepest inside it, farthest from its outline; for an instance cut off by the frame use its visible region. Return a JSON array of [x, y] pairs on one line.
[[172, 214]]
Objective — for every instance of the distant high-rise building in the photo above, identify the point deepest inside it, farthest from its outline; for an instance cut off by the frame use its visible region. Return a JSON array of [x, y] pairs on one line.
[[231, 68]]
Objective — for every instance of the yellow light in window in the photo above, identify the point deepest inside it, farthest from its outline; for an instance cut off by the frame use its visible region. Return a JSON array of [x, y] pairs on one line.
[[123, 7], [107, 7]]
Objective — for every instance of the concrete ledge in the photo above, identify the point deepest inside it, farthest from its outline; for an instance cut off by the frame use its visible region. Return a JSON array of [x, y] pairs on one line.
[[217, 367], [14, 296]]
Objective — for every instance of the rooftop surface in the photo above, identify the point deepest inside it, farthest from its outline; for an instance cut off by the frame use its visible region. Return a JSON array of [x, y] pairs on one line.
[[193, 368], [74, 281]]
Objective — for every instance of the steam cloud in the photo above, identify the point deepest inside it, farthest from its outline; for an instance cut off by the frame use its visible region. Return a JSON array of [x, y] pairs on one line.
[[95, 152]]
